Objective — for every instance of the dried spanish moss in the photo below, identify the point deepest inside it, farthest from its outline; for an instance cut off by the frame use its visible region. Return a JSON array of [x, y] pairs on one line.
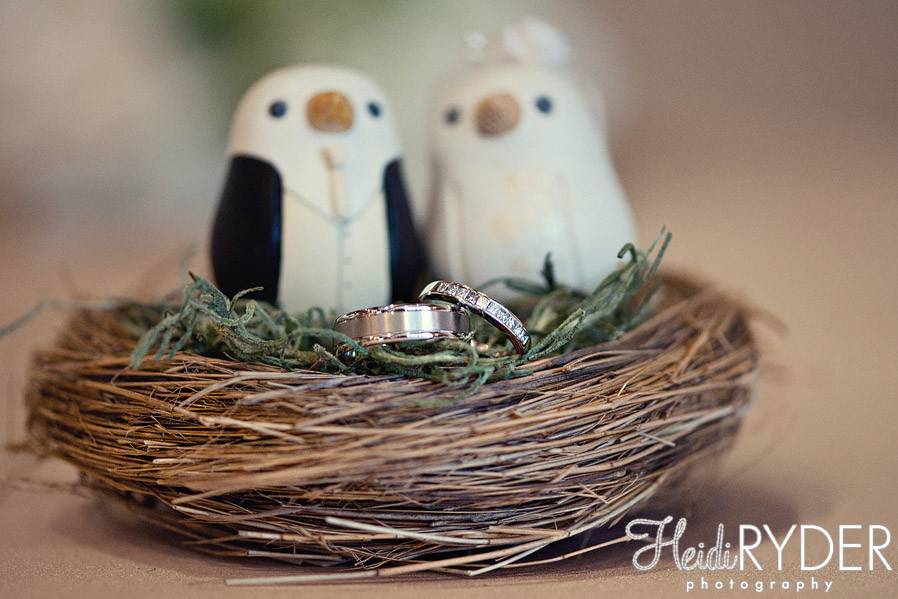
[[561, 320]]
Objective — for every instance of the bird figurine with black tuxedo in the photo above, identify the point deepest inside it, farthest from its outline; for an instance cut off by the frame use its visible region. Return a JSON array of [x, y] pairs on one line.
[[523, 169], [314, 208]]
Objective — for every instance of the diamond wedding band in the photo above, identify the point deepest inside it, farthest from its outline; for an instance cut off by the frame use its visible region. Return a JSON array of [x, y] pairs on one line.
[[484, 306]]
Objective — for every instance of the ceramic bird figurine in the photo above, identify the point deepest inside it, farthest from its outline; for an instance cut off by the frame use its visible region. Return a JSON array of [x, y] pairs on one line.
[[523, 169], [314, 208]]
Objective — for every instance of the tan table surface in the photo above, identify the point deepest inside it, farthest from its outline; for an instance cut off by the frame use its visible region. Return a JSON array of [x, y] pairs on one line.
[[802, 222]]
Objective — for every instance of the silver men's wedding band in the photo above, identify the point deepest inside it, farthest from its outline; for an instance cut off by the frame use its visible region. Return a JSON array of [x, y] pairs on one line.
[[484, 306], [396, 323]]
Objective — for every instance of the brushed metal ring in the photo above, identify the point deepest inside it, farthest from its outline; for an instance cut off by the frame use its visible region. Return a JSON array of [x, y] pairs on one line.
[[396, 323]]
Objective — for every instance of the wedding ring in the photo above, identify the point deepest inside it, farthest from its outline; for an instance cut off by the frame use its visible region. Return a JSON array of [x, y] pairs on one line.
[[484, 306], [396, 323]]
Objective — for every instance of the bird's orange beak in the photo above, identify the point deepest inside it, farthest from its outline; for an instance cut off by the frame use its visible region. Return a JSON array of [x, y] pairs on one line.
[[330, 112], [496, 114]]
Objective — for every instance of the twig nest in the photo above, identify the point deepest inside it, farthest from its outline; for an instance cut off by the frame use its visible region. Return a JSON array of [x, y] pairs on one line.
[[386, 474]]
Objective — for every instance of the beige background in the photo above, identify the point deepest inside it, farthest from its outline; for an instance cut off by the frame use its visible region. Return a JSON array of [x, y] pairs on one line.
[[764, 134]]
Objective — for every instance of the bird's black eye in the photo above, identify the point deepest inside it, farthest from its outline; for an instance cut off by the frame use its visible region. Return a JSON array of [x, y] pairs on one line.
[[374, 109], [453, 115], [544, 104], [277, 109]]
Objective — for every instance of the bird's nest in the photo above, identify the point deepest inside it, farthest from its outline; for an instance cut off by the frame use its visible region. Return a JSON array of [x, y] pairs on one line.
[[378, 475]]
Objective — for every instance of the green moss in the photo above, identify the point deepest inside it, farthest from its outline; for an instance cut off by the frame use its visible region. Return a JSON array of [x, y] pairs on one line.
[[559, 319]]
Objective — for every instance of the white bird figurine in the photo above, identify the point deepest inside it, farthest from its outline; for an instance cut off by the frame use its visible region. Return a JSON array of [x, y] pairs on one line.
[[314, 208], [523, 169]]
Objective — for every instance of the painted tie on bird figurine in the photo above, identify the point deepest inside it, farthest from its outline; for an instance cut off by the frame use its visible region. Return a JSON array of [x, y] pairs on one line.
[[314, 208], [523, 169]]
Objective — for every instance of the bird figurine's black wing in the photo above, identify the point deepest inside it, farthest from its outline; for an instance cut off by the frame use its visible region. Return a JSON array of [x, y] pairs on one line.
[[407, 259], [246, 236]]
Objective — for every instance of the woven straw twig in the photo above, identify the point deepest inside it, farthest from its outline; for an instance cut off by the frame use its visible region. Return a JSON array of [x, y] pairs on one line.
[[384, 475]]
